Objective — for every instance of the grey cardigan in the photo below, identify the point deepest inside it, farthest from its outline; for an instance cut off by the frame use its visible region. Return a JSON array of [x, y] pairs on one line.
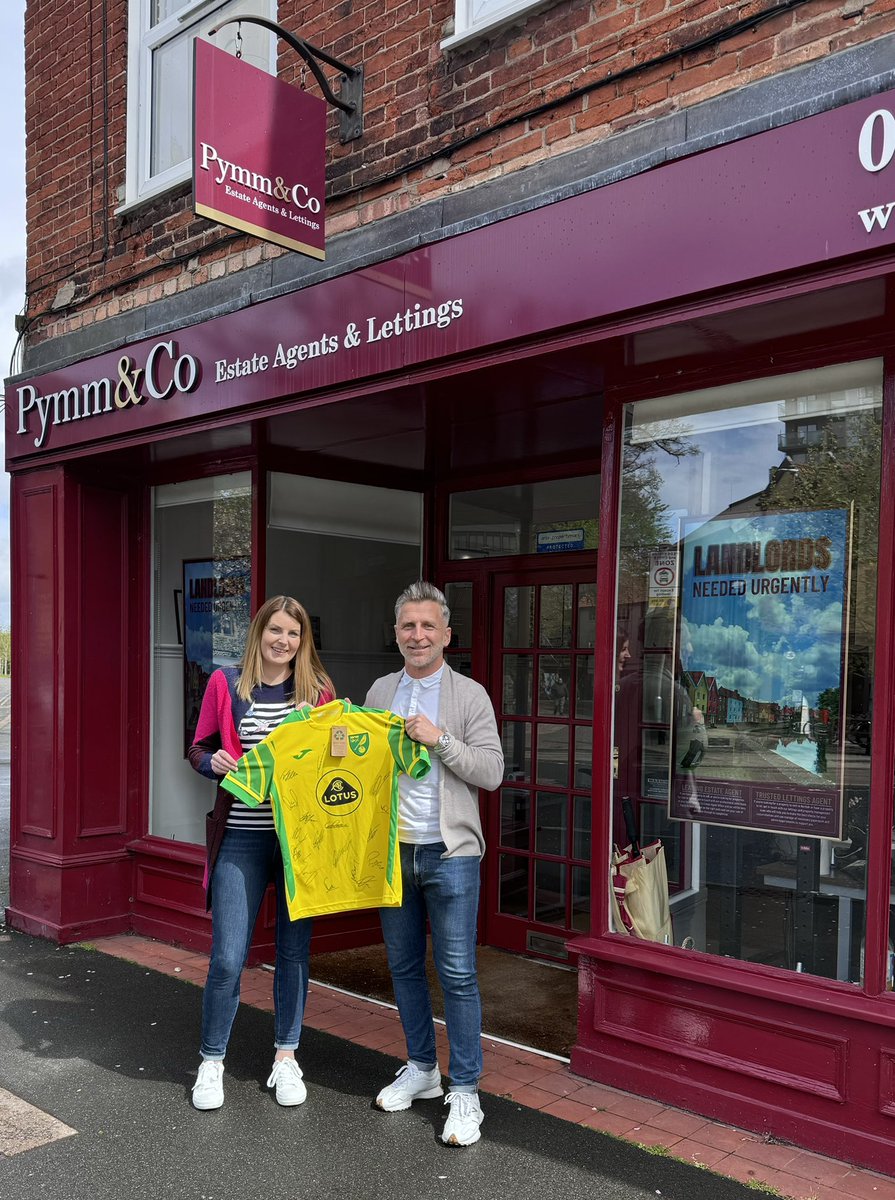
[[474, 760]]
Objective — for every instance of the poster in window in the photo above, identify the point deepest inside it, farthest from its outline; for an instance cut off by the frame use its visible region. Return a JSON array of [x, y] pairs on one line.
[[760, 676], [216, 604]]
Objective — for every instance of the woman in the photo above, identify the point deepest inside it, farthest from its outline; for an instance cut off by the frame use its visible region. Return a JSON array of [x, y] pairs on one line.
[[280, 671]]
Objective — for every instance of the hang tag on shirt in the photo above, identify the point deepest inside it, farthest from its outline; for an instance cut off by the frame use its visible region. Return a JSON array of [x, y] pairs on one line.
[[338, 742]]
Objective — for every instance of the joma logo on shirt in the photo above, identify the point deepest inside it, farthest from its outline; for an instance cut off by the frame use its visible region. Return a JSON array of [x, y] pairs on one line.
[[340, 790]]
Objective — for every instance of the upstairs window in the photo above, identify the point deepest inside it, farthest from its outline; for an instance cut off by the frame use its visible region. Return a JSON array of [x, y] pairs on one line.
[[160, 82], [475, 18]]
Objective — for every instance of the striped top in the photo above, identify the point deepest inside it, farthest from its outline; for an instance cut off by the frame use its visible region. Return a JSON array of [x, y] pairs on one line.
[[269, 707]]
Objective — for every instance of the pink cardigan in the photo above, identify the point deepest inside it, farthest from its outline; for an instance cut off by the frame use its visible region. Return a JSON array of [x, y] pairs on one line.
[[216, 715]]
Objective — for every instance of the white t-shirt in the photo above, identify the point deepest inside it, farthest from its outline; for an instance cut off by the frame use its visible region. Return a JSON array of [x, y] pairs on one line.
[[419, 810]]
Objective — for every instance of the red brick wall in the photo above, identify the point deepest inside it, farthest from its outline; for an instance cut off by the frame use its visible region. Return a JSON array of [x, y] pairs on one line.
[[573, 73]]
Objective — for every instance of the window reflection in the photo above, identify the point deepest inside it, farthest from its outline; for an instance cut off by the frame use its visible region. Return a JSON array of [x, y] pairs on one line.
[[527, 518], [747, 596]]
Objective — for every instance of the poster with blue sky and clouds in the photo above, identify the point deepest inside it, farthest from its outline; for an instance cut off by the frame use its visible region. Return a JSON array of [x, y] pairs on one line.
[[763, 622]]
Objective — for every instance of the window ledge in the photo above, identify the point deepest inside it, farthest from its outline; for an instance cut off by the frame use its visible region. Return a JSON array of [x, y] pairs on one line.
[[505, 17], [150, 194]]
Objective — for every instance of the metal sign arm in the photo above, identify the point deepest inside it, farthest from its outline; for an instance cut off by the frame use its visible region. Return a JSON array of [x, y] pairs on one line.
[[351, 95]]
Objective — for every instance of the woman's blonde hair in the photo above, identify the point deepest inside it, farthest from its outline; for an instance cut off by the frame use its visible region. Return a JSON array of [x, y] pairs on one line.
[[309, 678]]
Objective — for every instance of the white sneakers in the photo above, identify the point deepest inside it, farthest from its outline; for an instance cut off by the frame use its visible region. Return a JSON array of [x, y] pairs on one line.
[[208, 1090], [410, 1084], [465, 1112], [286, 1077], [465, 1116]]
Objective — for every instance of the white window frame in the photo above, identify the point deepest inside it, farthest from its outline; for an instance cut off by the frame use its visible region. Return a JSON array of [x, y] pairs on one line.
[[143, 40], [468, 28]]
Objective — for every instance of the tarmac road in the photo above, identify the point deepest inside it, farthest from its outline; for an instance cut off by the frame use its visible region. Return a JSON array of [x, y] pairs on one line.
[[109, 1049]]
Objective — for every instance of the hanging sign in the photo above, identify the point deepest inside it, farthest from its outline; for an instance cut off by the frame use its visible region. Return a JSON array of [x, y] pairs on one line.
[[258, 152]]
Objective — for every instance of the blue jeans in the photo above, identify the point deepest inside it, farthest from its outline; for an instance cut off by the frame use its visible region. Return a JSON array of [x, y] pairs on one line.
[[247, 861], [446, 890]]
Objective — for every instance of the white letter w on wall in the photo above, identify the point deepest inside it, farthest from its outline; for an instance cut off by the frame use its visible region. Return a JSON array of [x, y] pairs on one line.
[[876, 216]]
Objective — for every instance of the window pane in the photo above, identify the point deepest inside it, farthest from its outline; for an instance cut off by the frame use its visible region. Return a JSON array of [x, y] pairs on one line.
[[587, 615], [584, 687], [172, 74], [533, 518], [581, 828], [584, 753], [517, 684], [553, 754], [513, 897], [518, 616], [459, 598], [581, 899], [516, 750], [550, 892], [555, 677], [747, 593], [556, 615], [515, 819], [160, 10], [551, 823]]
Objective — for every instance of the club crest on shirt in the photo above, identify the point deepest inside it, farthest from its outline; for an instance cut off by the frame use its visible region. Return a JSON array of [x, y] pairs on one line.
[[359, 743], [339, 791]]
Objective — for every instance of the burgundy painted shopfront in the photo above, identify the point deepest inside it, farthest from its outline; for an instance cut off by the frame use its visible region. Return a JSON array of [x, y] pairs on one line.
[[545, 415]]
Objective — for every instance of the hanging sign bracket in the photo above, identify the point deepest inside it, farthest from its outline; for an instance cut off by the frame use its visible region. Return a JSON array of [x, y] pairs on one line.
[[350, 100]]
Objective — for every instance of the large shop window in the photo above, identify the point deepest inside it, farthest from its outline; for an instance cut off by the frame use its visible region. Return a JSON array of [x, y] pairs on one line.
[[202, 543], [746, 601], [160, 81]]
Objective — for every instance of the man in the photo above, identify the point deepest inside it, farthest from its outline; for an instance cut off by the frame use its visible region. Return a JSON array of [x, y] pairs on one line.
[[440, 833]]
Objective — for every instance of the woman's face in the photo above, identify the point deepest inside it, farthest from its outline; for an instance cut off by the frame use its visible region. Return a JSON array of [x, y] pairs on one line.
[[623, 655], [280, 640]]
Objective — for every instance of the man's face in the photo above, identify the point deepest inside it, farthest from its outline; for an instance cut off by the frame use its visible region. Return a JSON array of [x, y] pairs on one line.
[[422, 635]]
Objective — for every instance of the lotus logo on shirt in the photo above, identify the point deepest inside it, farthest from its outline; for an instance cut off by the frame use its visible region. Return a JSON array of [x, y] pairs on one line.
[[339, 791]]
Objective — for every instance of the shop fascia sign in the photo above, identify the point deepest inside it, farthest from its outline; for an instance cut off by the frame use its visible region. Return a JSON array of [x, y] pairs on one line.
[[166, 372]]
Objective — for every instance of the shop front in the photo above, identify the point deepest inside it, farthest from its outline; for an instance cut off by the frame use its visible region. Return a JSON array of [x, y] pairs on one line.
[[640, 437]]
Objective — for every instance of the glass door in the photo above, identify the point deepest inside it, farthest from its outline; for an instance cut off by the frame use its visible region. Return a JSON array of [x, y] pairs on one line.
[[537, 869]]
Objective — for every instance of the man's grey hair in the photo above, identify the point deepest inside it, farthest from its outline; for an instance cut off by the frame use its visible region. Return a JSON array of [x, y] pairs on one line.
[[419, 593]]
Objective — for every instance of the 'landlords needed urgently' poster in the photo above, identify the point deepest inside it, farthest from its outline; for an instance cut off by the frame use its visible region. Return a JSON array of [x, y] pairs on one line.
[[763, 631]]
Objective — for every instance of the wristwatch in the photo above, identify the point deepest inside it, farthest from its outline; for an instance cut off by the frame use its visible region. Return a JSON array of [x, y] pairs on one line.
[[444, 742]]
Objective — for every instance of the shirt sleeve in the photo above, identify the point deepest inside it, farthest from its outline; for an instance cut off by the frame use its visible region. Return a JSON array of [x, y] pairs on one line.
[[252, 777], [412, 757]]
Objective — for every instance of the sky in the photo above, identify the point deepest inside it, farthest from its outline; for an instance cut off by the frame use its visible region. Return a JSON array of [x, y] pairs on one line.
[[12, 229]]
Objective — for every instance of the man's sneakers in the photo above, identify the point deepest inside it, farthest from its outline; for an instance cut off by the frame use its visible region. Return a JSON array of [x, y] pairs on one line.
[[410, 1084], [208, 1090], [286, 1078], [465, 1113], [465, 1116]]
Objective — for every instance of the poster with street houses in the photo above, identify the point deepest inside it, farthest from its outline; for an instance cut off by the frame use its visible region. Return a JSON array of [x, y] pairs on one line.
[[762, 638]]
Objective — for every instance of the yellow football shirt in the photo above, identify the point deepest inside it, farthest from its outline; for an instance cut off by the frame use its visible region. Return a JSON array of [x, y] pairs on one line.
[[336, 817]]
